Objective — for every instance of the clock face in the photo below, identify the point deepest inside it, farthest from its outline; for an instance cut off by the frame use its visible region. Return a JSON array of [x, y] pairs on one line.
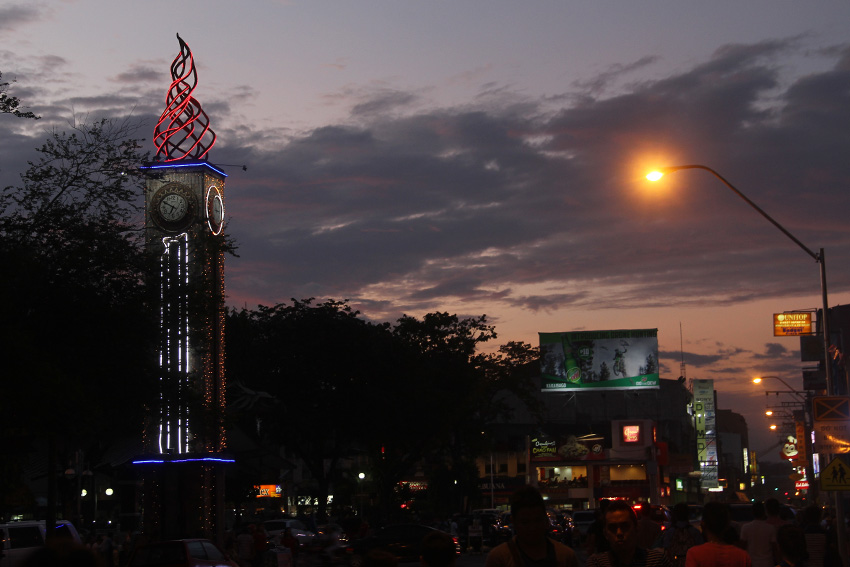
[[215, 209], [173, 207]]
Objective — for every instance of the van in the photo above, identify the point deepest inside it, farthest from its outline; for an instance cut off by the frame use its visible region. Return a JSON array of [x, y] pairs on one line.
[[18, 540]]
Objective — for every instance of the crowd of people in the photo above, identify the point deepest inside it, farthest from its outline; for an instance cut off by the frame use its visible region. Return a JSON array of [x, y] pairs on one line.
[[623, 537], [620, 537]]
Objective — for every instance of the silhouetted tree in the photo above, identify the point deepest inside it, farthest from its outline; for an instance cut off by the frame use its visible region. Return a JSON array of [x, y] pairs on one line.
[[413, 394], [11, 105], [74, 328]]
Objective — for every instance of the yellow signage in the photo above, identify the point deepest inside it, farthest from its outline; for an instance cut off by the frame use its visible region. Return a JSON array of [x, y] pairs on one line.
[[836, 476], [792, 324]]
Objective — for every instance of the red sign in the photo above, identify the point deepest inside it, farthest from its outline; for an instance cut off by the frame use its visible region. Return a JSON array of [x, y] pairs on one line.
[[631, 434]]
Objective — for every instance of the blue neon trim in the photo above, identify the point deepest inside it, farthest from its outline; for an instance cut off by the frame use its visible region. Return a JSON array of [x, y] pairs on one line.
[[203, 459], [192, 164]]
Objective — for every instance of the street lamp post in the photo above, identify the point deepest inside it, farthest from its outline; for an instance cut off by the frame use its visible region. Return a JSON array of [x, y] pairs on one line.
[[802, 396], [819, 258]]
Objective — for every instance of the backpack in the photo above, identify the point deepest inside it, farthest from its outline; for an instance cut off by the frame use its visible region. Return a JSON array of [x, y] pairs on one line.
[[681, 542]]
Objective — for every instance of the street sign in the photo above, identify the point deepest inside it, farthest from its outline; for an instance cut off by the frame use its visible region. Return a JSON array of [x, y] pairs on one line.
[[832, 437], [831, 408], [836, 476], [831, 424]]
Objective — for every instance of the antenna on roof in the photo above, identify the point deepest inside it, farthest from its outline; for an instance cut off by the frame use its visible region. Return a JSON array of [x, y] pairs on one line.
[[683, 374]]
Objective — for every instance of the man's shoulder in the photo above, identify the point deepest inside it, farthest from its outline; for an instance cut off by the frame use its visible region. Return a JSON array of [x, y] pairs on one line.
[[565, 552], [562, 546], [502, 548], [499, 555]]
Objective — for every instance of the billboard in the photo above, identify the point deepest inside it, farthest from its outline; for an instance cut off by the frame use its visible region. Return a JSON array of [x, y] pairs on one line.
[[704, 421], [792, 324], [599, 360], [544, 448]]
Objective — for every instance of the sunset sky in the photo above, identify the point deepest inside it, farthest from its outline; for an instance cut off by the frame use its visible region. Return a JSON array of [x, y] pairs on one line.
[[487, 156]]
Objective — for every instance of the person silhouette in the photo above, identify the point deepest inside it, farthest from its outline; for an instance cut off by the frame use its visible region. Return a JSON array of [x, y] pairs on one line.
[[841, 473]]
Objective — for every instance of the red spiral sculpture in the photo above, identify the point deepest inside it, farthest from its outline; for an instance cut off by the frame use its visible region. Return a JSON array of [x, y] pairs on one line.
[[183, 130]]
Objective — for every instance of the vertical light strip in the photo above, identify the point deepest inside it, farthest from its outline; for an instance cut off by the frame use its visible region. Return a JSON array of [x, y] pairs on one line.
[[175, 347], [162, 266]]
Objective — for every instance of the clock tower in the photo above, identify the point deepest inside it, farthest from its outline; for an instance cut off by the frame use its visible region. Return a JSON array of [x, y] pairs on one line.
[[184, 439]]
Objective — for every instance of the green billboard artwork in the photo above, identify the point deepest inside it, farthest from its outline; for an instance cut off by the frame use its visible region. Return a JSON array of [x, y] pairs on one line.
[[621, 359]]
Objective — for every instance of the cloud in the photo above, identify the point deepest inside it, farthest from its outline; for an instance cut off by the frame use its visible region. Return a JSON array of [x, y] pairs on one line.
[[494, 204], [383, 102], [772, 351], [600, 82], [141, 74], [540, 203], [13, 16]]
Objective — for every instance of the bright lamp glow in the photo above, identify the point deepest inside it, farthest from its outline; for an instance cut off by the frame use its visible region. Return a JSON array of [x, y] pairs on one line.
[[773, 427], [654, 175], [756, 380], [768, 412]]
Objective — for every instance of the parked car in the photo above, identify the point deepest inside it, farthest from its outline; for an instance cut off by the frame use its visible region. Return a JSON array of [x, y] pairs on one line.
[[329, 534], [18, 540], [489, 521], [181, 553], [404, 541], [582, 520], [505, 529], [275, 528], [561, 526]]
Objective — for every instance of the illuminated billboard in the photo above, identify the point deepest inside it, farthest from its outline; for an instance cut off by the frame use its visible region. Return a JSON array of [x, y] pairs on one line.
[[599, 360], [704, 421], [792, 324]]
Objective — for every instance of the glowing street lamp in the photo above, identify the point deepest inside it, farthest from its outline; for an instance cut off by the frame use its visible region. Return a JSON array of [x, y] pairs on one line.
[[802, 396], [804, 401], [818, 257]]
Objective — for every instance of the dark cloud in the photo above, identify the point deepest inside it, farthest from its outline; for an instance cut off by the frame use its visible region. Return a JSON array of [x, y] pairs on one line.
[[14, 16], [513, 201], [772, 351], [141, 74], [462, 203], [693, 359], [601, 82], [384, 102]]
